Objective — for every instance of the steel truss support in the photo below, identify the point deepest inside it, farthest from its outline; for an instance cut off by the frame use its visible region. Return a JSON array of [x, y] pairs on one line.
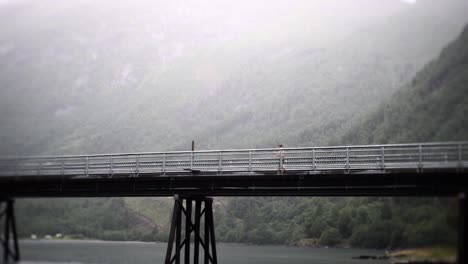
[[10, 252], [193, 221]]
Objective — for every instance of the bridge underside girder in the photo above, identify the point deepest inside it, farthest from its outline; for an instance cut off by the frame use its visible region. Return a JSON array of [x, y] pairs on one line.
[[194, 187], [285, 184]]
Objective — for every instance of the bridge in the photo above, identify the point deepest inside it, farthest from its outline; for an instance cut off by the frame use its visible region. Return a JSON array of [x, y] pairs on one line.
[[426, 169]]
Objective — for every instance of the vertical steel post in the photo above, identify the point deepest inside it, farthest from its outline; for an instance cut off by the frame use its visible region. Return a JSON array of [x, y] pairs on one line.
[[170, 242], [197, 231], [178, 232], [188, 231], [6, 234], [207, 235], [16, 255], [9, 228], [212, 232], [462, 228]]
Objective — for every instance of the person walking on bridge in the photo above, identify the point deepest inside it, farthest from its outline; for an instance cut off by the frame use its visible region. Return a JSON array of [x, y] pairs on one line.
[[280, 155]]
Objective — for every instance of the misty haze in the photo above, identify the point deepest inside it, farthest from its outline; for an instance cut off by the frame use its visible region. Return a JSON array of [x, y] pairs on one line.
[[308, 131]]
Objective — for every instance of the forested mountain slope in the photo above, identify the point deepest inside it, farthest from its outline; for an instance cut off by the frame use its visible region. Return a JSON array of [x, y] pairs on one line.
[[432, 107], [81, 77], [185, 84]]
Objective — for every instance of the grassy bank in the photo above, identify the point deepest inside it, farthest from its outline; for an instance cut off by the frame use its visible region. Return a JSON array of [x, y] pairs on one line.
[[445, 254]]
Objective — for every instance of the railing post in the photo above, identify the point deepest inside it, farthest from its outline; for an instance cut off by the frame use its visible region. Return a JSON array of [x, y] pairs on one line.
[[382, 158], [420, 165], [250, 161], [220, 162], [164, 163], [87, 166], [347, 160], [137, 165], [63, 167], [39, 169], [191, 160], [16, 167], [460, 158], [313, 159], [111, 165], [281, 153]]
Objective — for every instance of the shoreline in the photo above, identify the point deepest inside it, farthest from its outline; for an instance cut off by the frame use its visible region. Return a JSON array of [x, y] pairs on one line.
[[435, 254], [71, 240], [410, 255]]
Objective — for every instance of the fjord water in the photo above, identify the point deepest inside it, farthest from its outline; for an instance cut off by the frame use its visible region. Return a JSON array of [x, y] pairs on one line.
[[141, 252]]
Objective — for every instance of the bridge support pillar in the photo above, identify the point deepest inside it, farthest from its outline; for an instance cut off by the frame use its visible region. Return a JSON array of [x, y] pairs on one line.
[[187, 223], [462, 229], [7, 214]]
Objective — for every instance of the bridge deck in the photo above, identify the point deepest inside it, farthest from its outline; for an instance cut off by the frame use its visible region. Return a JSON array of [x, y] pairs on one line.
[[403, 169]]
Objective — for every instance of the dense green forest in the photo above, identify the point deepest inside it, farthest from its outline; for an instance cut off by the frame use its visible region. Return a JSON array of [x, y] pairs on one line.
[[107, 219], [432, 107], [357, 222], [371, 77]]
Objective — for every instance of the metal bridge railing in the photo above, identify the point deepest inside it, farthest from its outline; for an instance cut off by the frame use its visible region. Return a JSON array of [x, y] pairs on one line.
[[451, 155]]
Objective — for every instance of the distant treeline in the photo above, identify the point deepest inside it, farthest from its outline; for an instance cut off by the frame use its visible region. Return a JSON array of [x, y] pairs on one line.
[[83, 218], [357, 222]]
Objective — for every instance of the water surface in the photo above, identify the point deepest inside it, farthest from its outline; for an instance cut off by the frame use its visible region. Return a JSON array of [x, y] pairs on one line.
[[90, 252]]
